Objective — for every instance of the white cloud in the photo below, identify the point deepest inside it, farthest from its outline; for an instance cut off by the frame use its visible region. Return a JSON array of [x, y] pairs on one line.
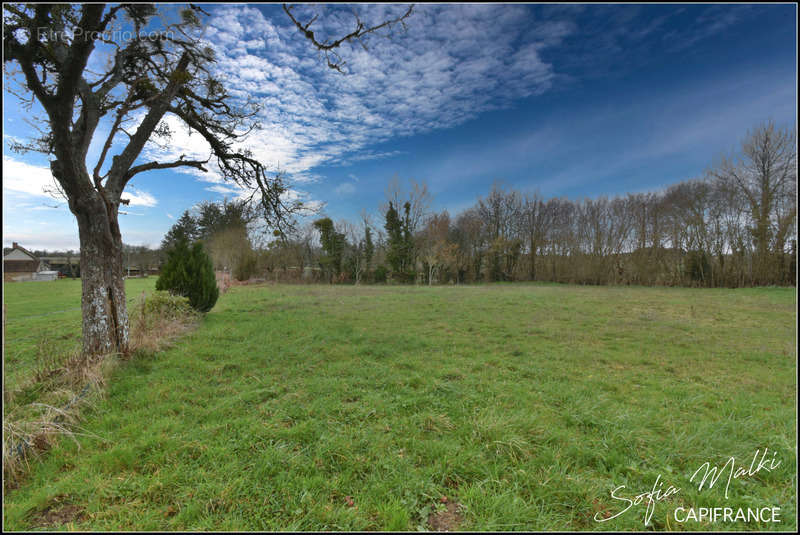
[[43, 240], [37, 181], [225, 190], [449, 67], [139, 197], [25, 178], [347, 188]]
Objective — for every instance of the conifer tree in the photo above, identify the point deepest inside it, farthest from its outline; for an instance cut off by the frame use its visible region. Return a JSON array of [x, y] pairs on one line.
[[189, 273], [333, 244], [184, 229]]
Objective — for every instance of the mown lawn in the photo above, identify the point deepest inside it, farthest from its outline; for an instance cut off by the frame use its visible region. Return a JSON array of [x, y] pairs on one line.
[[360, 408]]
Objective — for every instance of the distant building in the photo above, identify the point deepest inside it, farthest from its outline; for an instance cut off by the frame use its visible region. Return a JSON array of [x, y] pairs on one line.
[[67, 265], [19, 264]]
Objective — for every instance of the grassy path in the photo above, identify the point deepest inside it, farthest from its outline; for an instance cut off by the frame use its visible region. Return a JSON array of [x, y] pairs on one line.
[[329, 408]]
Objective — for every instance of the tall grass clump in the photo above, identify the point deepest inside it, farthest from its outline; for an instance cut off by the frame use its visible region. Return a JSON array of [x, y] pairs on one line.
[[159, 318]]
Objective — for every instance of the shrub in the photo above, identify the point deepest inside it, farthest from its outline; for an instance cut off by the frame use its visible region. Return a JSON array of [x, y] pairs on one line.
[[189, 273], [166, 306], [246, 267], [698, 268], [403, 277], [159, 318], [380, 274]]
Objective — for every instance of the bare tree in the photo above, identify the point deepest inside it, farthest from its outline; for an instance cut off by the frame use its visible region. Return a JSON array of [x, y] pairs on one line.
[[470, 237], [501, 212], [765, 174], [355, 248], [436, 251], [162, 71], [418, 196], [535, 220]]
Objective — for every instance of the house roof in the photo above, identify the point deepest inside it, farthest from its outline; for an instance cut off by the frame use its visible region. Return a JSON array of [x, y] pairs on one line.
[[16, 247]]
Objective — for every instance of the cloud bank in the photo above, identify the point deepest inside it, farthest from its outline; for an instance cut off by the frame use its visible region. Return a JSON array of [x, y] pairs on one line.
[[453, 63]]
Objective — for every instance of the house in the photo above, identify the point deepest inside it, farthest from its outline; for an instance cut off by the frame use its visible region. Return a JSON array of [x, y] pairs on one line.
[[19, 264]]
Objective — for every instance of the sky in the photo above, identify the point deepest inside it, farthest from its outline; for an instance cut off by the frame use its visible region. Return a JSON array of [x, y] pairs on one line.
[[568, 100]]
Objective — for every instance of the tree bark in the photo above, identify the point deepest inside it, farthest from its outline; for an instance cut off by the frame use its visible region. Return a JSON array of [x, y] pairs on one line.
[[105, 315]]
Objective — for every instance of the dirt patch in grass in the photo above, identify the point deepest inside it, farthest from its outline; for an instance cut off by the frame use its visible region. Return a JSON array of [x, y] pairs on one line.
[[447, 519], [58, 516]]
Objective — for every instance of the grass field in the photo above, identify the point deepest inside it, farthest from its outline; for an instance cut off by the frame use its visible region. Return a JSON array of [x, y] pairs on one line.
[[496, 407], [49, 314]]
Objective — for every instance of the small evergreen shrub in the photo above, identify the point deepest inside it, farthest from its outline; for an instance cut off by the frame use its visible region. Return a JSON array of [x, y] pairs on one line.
[[189, 273]]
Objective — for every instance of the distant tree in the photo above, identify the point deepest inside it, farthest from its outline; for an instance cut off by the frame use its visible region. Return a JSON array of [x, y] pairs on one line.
[[436, 251], [185, 229], [380, 274], [230, 250], [411, 208], [70, 268], [765, 174], [213, 217], [139, 257], [333, 245], [500, 212], [223, 228], [359, 249], [400, 247], [369, 247], [246, 266], [534, 227], [417, 196], [471, 238], [698, 268], [395, 244]]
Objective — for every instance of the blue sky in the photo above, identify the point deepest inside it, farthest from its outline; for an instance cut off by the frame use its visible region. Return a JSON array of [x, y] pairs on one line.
[[572, 100]]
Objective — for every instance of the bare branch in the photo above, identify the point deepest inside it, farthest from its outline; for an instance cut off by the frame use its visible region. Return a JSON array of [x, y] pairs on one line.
[[197, 164], [360, 31]]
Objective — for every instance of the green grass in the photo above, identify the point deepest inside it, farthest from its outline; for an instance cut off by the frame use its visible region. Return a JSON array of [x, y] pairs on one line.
[[47, 313], [526, 404]]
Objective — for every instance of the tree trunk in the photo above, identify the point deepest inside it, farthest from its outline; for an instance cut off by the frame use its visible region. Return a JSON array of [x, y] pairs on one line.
[[105, 315]]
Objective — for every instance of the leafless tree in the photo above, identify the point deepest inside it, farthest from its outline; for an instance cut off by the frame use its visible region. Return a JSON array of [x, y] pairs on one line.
[[765, 174], [436, 251], [418, 196], [501, 212], [535, 222]]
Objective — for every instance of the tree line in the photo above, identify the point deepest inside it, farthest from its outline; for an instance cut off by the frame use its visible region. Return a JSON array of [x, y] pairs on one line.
[[734, 227]]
